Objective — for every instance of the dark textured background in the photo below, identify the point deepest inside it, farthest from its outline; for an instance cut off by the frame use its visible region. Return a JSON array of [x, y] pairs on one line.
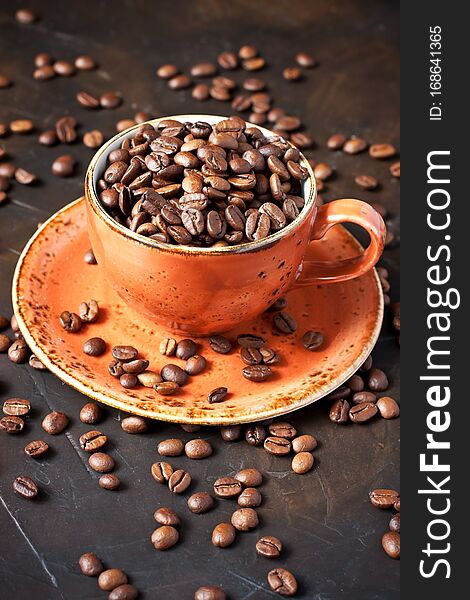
[[330, 531]]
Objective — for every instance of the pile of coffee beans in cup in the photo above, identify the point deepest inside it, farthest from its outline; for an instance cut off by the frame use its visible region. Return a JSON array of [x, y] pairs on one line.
[[196, 184], [389, 499]]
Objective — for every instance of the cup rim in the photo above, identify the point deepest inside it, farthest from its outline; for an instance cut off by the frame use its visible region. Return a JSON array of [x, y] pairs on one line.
[[92, 197]]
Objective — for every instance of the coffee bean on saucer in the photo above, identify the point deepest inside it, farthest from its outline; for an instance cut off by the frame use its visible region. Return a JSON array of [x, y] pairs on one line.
[[161, 471], [25, 487], [200, 503], [89, 311], [360, 413], [276, 445], [284, 322], [384, 498], [36, 448], [391, 544], [55, 422], [179, 481], [18, 351], [134, 424], [377, 380], [220, 344], [16, 406], [312, 340], [166, 388], [70, 321], [175, 374], [249, 340], [124, 353], [92, 440], [255, 435], [269, 546], [110, 579], [245, 519], [249, 498], [185, 349], [198, 449], [195, 365], [5, 342], [249, 477], [282, 429], [257, 373], [94, 346], [217, 395], [101, 462], [282, 582], [227, 487], [109, 482], [269, 356], [209, 593], [90, 565], [168, 346], [90, 413], [115, 368], [388, 407], [302, 462], [89, 257], [128, 381], [223, 535], [135, 366], [149, 379], [11, 424]]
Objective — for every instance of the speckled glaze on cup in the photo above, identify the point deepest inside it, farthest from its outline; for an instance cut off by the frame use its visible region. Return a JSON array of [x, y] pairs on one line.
[[201, 291]]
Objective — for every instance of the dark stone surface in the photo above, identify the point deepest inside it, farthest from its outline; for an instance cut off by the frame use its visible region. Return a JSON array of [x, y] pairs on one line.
[[330, 531]]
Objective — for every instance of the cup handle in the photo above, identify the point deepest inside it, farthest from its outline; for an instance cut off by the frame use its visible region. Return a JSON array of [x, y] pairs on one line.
[[346, 210]]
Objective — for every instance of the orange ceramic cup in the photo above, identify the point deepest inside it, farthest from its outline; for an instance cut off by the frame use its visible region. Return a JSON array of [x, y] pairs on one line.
[[205, 291]]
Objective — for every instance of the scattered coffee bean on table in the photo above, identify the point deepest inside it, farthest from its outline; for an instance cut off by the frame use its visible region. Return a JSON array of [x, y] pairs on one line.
[[302, 462], [391, 544], [278, 446], [36, 448], [304, 443], [282, 581], [223, 535], [244, 519], [18, 352], [134, 425], [35, 363], [92, 440], [360, 413], [171, 447], [209, 593], [282, 429], [16, 406], [90, 565], [165, 537], [198, 449], [249, 498], [101, 462], [384, 498], [255, 435], [161, 471], [269, 546], [339, 411], [200, 503], [179, 481], [249, 477], [25, 487], [55, 422], [388, 407], [166, 516], [125, 591], [111, 578], [109, 482], [230, 433], [11, 424], [227, 487]]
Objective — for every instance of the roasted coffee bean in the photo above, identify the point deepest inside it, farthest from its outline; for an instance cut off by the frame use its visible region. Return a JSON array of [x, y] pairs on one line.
[[18, 352], [185, 349], [394, 523], [92, 440], [21, 126], [220, 344], [269, 546], [282, 429], [384, 498], [64, 68], [249, 498], [292, 74], [65, 129], [11, 424], [305, 60], [198, 449], [200, 92], [395, 169], [223, 535], [230, 433], [200, 503], [93, 139], [342, 392], [70, 321], [5, 342], [85, 63], [388, 407], [255, 435], [26, 16], [284, 322], [217, 395], [44, 73], [179, 481], [195, 365], [90, 413], [166, 516], [206, 69], [90, 565], [209, 593], [228, 60], [124, 592], [25, 177], [175, 374], [35, 363], [302, 462], [16, 406], [5, 82], [282, 582], [227, 487], [36, 448], [55, 422], [64, 166], [166, 388], [48, 138], [382, 150], [245, 519], [109, 482], [111, 579], [94, 346], [251, 356], [168, 346], [391, 544], [87, 100], [360, 413], [377, 380], [257, 373], [249, 340], [179, 82], [304, 443], [125, 353], [367, 182], [249, 477], [128, 381], [312, 340], [364, 397], [25, 487], [110, 100], [161, 471], [339, 411], [149, 379], [167, 71], [354, 145], [171, 447], [101, 462], [135, 366], [276, 445], [355, 384], [115, 368], [134, 424]]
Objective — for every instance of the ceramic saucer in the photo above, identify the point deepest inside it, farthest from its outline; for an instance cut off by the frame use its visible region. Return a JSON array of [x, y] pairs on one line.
[[51, 276]]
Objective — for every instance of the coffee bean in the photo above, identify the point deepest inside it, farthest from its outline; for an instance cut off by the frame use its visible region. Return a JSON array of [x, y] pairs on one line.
[[190, 428], [223, 535], [25, 177], [339, 412], [257, 373], [175, 374], [5, 82], [124, 592], [110, 100], [92, 440], [302, 462], [90, 413], [360, 413], [135, 366], [70, 321], [249, 477], [85, 63], [87, 100], [35, 363], [171, 447], [65, 129], [388, 407], [89, 311], [305, 60], [124, 353], [167, 71], [377, 380], [44, 73], [161, 471], [166, 516], [220, 344], [284, 322], [179, 481], [283, 430], [94, 346], [394, 523], [217, 395], [200, 503], [55, 422], [282, 582], [42, 59], [168, 346], [382, 150], [93, 139], [391, 544], [292, 74], [48, 138], [206, 69], [16, 406], [384, 498], [11, 424], [128, 381], [110, 579], [227, 487], [21, 126], [255, 435], [179, 82], [185, 349], [228, 60], [115, 369], [36, 448], [195, 365], [64, 68], [26, 16], [109, 482], [230, 433], [198, 449], [276, 445], [5, 342], [249, 498], [101, 462], [209, 593], [63, 166], [18, 352], [166, 388], [90, 565], [134, 424], [367, 182], [364, 397], [25, 487], [354, 145], [269, 546], [245, 519], [395, 169]]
